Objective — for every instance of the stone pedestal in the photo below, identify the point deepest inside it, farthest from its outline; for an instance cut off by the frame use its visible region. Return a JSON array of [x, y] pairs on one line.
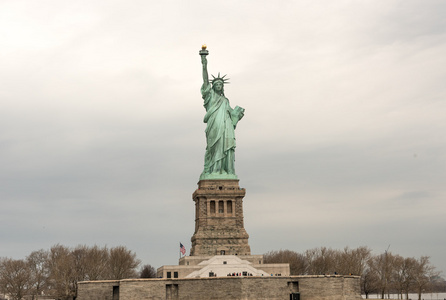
[[219, 227]]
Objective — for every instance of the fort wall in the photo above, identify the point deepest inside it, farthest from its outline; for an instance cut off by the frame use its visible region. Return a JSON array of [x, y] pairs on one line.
[[334, 287]]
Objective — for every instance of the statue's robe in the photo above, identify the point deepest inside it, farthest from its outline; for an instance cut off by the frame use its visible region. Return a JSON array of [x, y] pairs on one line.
[[220, 135]]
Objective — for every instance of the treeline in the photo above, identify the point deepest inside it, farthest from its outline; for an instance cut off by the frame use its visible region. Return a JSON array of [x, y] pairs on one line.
[[56, 272], [380, 274]]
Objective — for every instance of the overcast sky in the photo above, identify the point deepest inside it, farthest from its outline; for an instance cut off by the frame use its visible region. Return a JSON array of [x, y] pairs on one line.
[[342, 144]]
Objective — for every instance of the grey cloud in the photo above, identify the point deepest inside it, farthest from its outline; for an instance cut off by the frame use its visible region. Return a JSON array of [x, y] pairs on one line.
[[102, 139]]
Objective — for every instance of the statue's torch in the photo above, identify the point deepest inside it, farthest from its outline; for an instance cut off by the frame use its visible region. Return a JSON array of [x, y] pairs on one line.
[[203, 51]]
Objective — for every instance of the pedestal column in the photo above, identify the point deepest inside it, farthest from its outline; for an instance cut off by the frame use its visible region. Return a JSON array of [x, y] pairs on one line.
[[217, 230]]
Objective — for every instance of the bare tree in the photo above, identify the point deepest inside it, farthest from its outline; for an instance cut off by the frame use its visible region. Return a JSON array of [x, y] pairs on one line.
[[402, 274], [147, 271], [97, 260], [423, 274], [80, 262], [369, 282], [39, 272], [14, 278], [90, 262], [62, 272], [296, 260], [382, 266], [352, 261], [122, 263], [321, 260]]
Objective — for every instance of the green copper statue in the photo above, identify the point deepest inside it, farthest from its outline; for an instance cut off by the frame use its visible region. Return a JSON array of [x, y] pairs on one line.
[[221, 121]]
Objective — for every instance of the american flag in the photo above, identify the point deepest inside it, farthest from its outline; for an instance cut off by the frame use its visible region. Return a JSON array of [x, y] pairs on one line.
[[182, 249]]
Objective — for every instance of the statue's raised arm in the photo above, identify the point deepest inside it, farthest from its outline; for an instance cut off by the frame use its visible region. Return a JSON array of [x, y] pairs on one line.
[[204, 62], [221, 121]]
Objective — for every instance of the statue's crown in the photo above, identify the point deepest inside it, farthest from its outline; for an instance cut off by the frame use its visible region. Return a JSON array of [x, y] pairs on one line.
[[218, 78]]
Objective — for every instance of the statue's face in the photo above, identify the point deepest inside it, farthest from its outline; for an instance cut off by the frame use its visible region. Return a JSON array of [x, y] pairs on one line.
[[218, 86]]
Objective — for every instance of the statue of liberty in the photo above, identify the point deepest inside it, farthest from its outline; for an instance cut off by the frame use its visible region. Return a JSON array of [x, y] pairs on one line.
[[221, 121]]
